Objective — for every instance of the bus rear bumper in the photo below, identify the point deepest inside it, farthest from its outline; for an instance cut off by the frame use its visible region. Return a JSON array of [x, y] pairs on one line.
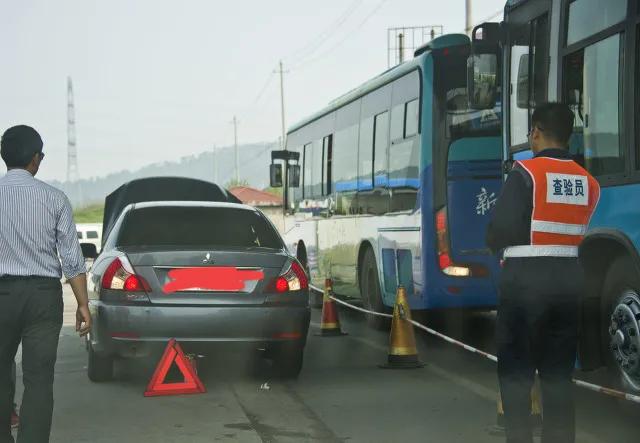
[[458, 295]]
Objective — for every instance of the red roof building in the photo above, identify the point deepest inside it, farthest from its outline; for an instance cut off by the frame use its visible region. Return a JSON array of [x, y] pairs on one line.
[[255, 197]]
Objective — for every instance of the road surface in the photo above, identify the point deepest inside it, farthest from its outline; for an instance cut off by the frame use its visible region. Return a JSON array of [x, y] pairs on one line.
[[341, 395]]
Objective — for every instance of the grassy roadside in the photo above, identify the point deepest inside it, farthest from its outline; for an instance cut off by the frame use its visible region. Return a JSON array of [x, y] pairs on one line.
[[89, 214]]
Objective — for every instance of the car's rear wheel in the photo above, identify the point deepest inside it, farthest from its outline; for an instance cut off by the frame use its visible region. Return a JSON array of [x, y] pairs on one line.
[[371, 293], [100, 368], [287, 359], [621, 324]]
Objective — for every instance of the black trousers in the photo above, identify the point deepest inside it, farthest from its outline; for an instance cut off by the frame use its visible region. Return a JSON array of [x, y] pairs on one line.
[[31, 313], [537, 329]]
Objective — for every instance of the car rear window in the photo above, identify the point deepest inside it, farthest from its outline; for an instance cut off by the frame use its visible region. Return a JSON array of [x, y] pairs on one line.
[[197, 227], [92, 234]]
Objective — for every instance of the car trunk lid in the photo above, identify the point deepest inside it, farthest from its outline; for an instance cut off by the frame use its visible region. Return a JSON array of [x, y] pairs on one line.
[[207, 277]]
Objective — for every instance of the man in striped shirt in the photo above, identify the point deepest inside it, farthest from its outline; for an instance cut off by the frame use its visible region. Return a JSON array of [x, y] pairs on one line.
[[38, 243]]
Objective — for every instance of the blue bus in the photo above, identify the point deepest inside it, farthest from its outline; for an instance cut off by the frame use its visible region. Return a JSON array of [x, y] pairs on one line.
[[585, 53], [397, 180]]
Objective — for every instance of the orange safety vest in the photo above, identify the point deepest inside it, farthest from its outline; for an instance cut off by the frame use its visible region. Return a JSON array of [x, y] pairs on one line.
[[565, 196]]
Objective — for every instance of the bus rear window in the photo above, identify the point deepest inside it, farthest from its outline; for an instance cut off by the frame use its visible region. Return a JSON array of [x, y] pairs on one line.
[[197, 227]]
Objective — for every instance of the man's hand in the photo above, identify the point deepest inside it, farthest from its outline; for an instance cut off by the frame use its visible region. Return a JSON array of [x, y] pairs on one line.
[[83, 320], [83, 317]]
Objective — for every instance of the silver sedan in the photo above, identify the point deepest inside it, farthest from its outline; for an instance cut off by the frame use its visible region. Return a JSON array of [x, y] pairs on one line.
[[202, 273]]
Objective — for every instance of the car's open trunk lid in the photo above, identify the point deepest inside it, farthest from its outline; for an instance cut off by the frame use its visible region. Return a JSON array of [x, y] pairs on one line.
[[160, 189]]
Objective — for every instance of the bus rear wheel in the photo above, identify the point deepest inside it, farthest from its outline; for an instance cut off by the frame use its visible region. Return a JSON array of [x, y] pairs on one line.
[[371, 293], [621, 324]]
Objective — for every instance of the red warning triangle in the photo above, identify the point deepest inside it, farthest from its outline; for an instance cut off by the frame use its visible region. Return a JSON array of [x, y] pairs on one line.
[[191, 385]]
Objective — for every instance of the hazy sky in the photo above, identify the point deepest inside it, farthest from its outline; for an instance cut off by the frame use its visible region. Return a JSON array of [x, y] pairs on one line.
[[155, 80]]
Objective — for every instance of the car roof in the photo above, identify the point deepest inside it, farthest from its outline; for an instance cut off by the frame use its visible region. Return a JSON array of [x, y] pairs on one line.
[[190, 204]]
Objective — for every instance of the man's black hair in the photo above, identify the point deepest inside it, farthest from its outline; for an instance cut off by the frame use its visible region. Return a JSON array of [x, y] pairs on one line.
[[18, 146], [555, 120]]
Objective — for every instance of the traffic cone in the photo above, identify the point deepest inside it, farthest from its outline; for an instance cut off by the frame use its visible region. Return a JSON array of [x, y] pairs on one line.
[[402, 341], [330, 325]]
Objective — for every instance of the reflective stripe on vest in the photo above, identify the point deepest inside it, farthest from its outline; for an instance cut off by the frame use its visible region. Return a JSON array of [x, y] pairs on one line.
[[565, 196], [558, 228], [540, 251]]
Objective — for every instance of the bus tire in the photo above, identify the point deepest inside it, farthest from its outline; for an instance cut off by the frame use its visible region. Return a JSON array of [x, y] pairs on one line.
[[371, 293], [620, 324]]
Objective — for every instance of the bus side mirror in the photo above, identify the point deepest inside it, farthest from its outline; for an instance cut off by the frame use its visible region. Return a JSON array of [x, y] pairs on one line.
[[275, 175], [294, 176], [482, 84], [483, 66]]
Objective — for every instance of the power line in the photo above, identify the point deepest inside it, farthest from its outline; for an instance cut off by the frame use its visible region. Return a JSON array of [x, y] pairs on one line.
[[316, 43], [264, 88], [373, 12]]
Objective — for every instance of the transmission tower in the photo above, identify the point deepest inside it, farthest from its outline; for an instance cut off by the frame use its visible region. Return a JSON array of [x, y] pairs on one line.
[[72, 152], [403, 41]]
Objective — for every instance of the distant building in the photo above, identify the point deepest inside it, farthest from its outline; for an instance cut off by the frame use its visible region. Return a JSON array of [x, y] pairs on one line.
[[269, 204]]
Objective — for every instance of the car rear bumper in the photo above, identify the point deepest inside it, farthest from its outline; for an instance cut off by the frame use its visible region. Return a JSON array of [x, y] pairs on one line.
[[127, 331]]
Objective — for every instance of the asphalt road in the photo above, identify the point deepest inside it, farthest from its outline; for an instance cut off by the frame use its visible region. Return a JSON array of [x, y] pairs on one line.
[[341, 395]]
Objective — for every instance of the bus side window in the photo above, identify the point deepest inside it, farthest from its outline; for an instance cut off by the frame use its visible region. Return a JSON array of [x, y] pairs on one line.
[[365, 155], [411, 120], [316, 170], [381, 149], [593, 91], [327, 154], [397, 122], [306, 175]]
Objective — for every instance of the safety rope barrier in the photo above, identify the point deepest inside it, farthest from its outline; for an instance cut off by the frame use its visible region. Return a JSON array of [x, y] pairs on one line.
[[583, 384]]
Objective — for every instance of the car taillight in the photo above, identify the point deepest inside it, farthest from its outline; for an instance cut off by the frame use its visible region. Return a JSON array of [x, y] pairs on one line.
[[120, 276], [294, 279], [446, 264]]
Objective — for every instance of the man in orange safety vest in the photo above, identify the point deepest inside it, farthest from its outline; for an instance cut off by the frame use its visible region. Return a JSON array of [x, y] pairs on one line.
[[537, 225]]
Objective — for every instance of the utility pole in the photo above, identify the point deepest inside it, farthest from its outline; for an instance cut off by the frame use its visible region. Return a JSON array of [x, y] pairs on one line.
[[469, 17], [281, 71], [72, 152], [283, 140], [235, 145], [401, 48]]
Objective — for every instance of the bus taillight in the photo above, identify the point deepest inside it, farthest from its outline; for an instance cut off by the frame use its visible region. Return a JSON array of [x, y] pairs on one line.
[[444, 254]]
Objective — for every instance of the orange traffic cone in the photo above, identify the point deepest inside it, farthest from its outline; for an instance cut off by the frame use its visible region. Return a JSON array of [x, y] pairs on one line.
[[402, 341], [330, 325]]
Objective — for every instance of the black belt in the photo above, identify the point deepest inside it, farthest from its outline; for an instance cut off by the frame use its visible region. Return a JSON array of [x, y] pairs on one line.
[[10, 278]]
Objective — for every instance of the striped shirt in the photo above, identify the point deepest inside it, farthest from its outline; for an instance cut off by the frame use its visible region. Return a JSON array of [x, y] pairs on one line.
[[37, 231]]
